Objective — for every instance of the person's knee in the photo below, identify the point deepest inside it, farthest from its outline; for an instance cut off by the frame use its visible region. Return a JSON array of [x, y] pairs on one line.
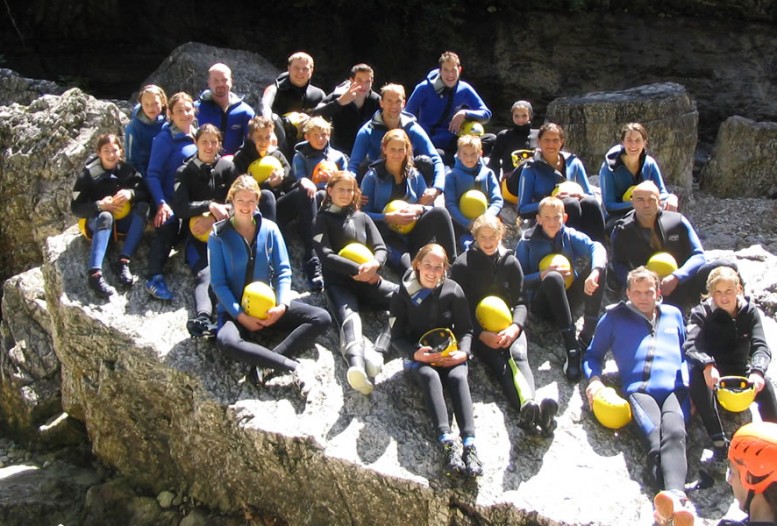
[[140, 209], [104, 221]]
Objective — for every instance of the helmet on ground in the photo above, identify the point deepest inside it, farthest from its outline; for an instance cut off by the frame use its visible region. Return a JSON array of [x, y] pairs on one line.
[[258, 298], [323, 171], [735, 393], [612, 411], [507, 195], [628, 193], [567, 187], [356, 252], [662, 263], [83, 229], [473, 204], [262, 169], [493, 314], [754, 451], [560, 261], [201, 237], [123, 211], [471, 128], [441, 340], [521, 156], [395, 206]]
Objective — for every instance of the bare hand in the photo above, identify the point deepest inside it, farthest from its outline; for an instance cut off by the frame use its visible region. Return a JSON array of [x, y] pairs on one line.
[[122, 196], [757, 380], [594, 386], [672, 204], [428, 197], [273, 315], [249, 322], [668, 284], [202, 225], [163, 213], [453, 359], [350, 95], [276, 178], [368, 272], [219, 211], [592, 282], [711, 376], [308, 186], [456, 121], [561, 270], [508, 335]]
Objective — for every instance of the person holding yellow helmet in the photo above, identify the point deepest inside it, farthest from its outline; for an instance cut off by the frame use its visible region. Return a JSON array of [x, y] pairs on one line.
[[106, 189], [489, 269], [248, 248], [726, 338], [752, 473], [646, 340], [352, 280], [426, 300]]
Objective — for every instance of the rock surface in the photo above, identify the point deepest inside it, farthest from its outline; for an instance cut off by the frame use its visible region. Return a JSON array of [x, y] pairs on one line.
[[16, 89], [172, 414], [186, 69], [592, 124], [744, 160], [43, 147]]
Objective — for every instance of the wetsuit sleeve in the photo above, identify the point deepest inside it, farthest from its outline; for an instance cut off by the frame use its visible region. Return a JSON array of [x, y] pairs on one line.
[[161, 150], [398, 320], [697, 259], [181, 205], [696, 353], [219, 276], [760, 354], [593, 357], [462, 321], [322, 243], [281, 267], [579, 175], [452, 202], [619, 261], [135, 182], [422, 145], [375, 240], [526, 192], [368, 188], [82, 203], [360, 148], [329, 107], [518, 308], [268, 99], [495, 201], [495, 161], [523, 253], [607, 184]]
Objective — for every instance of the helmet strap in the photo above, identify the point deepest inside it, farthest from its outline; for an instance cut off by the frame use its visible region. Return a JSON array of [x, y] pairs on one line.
[[749, 501]]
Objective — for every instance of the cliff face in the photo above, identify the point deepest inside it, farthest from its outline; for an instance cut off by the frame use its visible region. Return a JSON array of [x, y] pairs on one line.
[[720, 51]]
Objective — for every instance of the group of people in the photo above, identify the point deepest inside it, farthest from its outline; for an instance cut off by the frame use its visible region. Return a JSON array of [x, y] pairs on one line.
[[373, 180]]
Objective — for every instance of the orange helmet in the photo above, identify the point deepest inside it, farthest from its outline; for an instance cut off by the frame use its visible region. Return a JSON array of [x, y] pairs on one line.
[[754, 451]]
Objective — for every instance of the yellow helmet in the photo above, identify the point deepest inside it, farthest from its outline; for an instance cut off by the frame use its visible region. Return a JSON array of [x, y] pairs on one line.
[[471, 128], [441, 340], [83, 229], [493, 314], [298, 120], [627, 194], [473, 204], [263, 168], [258, 298], [612, 411], [507, 195], [123, 212], [201, 237], [356, 252], [662, 263], [395, 206], [521, 156], [735, 393], [561, 261], [567, 187]]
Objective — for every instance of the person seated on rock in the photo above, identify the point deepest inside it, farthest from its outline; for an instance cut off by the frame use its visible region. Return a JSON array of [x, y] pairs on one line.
[[350, 284], [470, 173], [111, 198], [219, 106], [244, 249], [413, 224], [290, 100], [293, 199], [489, 269], [555, 291], [752, 473], [554, 169], [201, 186], [349, 106], [367, 147], [647, 230], [726, 338], [443, 102], [520, 137], [432, 329], [312, 151], [646, 340], [628, 164], [145, 123]]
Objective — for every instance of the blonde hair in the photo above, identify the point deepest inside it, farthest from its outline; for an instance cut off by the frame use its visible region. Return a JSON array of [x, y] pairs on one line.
[[301, 55], [722, 273], [259, 123], [470, 140], [157, 91], [489, 221], [398, 89], [317, 123], [426, 249], [244, 183], [550, 201]]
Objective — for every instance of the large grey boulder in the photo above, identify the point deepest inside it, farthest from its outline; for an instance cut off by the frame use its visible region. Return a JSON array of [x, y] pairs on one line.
[[172, 414], [43, 147], [186, 69], [744, 160], [20, 90], [592, 124]]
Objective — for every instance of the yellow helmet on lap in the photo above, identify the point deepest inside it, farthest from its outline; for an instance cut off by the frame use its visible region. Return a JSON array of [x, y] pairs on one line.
[[441, 340], [561, 261], [612, 411], [395, 206], [493, 314], [473, 204], [356, 252], [735, 393], [262, 169], [258, 298]]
